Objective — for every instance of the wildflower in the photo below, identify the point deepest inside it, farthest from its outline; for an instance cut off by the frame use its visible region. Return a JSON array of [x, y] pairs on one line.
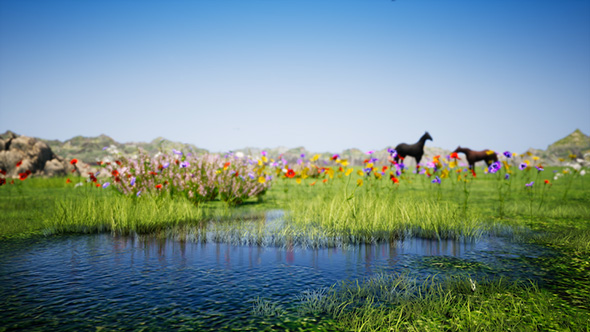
[[261, 179], [546, 182], [522, 166], [22, 176], [436, 180], [118, 162], [138, 193], [115, 172], [313, 183], [302, 155], [507, 176], [539, 168], [226, 165], [132, 183], [394, 179], [263, 153], [359, 182], [290, 173], [68, 180], [2, 181], [348, 172], [106, 184], [79, 184], [530, 184], [494, 167], [20, 162], [454, 155], [159, 186], [583, 172], [336, 156], [507, 154], [325, 180], [73, 161], [3, 172], [166, 164], [370, 152], [176, 152], [184, 164]]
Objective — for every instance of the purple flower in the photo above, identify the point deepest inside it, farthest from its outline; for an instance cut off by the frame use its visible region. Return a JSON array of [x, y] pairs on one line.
[[522, 166], [176, 152], [392, 152], [166, 164], [494, 167], [184, 164], [539, 168], [299, 161], [263, 153], [398, 172], [132, 183], [368, 170], [138, 193], [530, 184], [370, 152], [422, 171], [436, 180], [303, 155], [336, 156], [507, 176], [430, 165], [373, 160], [507, 154], [106, 184]]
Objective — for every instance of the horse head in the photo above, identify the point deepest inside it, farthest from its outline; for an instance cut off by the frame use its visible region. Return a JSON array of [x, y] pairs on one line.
[[427, 136]]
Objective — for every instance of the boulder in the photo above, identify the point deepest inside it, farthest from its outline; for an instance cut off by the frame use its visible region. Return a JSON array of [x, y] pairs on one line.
[[31, 154]]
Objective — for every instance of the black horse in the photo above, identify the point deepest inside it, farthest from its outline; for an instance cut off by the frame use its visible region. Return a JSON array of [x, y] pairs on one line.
[[415, 150]]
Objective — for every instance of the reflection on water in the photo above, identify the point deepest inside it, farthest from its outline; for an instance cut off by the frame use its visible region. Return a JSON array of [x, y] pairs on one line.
[[115, 282]]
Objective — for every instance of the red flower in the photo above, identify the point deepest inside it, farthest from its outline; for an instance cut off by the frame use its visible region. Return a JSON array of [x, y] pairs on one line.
[[290, 174], [325, 180], [546, 181], [312, 184], [394, 179], [74, 161], [117, 179], [2, 181], [473, 173], [365, 161], [383, 169], [73, 170], [98, 185], [454, 155], [115, 172], [20, 162], [118, 162], [68, 180], [28, 172], [158, 186], [22, 176], [3, 172], [153, 173]]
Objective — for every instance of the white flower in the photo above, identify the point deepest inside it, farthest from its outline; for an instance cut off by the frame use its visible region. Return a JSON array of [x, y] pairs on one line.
[[240, 154], [583, 172], [577, 167]]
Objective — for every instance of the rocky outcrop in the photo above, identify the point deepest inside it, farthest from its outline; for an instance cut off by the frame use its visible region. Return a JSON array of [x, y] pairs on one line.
[[20, 154]]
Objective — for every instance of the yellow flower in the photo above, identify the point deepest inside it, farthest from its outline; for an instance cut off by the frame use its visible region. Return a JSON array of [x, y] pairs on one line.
[[452, 164], [298, 180], [535, 158], [348, 172], [262, 179], [344, 162], [316, 157], [561, 159], [360, 173], [264, 159], [444, 174], [573, 156], [369, 165], [528, 163], [377, 175], [259, 162], [330, 172], [528, 153], [489, 152], [359, 182]]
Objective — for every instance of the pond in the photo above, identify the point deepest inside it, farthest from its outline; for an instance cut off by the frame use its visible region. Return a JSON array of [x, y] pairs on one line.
[[142, 282]]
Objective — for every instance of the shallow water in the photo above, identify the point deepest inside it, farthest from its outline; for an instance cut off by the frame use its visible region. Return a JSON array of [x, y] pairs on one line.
[[134, 283]]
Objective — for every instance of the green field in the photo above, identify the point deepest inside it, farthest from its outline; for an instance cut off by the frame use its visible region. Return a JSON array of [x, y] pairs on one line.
[[341, 211]]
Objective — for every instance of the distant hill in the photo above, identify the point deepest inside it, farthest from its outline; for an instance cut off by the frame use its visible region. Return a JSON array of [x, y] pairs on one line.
[[92, 149], [575, 143]]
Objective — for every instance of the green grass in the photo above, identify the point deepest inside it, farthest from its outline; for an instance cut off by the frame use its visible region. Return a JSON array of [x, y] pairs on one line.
[[338, 213]]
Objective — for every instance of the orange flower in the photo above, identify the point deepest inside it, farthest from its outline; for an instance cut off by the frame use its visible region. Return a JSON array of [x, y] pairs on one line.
[[546, 181], [115, 172], [394, 179], [226, 165], [74, 161], [325, 180], [98, 185], [68, 180], [158, 186], [383, 169], [20, 162], [312, 184], [290, 173]]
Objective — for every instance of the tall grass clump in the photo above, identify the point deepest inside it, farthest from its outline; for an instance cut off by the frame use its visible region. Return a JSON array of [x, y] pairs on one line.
[[400, 303], [122, 215]]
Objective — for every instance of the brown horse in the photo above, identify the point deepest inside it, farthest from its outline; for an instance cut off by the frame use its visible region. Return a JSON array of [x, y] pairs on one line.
[[415, 150], [488, 156]]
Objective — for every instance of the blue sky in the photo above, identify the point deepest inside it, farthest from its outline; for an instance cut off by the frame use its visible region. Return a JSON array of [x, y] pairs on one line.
[[326, 75]]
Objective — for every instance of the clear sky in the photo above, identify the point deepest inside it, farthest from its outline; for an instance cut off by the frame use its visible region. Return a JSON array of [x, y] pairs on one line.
[[326, 75]]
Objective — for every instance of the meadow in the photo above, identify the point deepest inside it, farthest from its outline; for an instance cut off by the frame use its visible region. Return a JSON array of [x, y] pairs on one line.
[[328, 203]]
